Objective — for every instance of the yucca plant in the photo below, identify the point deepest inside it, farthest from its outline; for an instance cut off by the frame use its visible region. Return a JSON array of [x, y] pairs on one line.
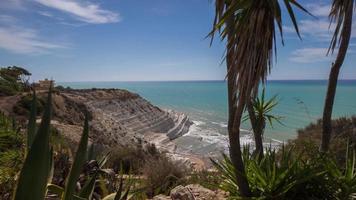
[[260, 112], [249, 28]]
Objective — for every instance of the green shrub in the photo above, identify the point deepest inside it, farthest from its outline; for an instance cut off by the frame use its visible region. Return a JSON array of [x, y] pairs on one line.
[[11, 156], [282, 176], [343, 135], [23, 106], [207, 178], [161, 175], [131, 159]]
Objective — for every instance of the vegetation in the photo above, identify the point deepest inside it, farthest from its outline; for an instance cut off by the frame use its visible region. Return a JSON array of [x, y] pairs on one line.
[[159, 173], [341, 12], [283, 176], [250, 32], [38, 166], [13, 80], [23, 106], [299, 170], [342, 136], [260, 113], [11, 155]]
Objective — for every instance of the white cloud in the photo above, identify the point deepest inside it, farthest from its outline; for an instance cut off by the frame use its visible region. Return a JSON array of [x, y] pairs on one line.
[[320, 29], [88, 12], [319, 10], [45, 13], [24, 41], [7, 19], [310, 55], [12, 4]]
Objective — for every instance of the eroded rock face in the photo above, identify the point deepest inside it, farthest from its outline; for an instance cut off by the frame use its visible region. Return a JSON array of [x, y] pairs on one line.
[[118, 117]]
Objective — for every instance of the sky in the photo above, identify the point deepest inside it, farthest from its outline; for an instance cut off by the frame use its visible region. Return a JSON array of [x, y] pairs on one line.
[[149, 40]]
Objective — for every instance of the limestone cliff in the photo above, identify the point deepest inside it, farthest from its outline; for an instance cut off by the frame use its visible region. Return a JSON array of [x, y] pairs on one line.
[[118, 117]]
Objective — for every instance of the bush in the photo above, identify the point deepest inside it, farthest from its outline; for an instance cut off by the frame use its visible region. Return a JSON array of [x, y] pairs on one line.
[[161, 175], [206, 178], [23, 106], [131, 159], [126, 158], [343, 134], [11, 156]]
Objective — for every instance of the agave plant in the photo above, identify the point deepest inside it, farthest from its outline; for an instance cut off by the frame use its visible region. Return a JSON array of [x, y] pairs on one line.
[[275, 176], [36, 174], [344, 179], [37, 166]]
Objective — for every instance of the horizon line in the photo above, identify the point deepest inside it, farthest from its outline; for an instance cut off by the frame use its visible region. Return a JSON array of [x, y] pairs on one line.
[[197, 80]]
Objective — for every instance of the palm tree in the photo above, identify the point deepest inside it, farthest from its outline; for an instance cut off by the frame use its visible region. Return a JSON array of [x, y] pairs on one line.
[[249, 29], [341, 12]]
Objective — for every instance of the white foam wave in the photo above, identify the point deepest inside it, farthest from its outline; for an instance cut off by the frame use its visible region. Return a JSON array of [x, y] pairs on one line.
[[198, 123], [221, 124], [213, 137]]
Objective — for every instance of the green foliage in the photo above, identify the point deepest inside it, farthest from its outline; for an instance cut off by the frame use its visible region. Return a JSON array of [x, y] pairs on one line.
[[283, 175], [342, 136], [37, 171], [263, 107], [162, 175], [344, 179], [31, 129], [36, 168], [11, 155], [78, 163], [13, 80], [206, 178], [24, 105]]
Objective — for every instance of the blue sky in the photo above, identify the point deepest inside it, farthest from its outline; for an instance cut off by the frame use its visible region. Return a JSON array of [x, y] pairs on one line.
[[130, 40]]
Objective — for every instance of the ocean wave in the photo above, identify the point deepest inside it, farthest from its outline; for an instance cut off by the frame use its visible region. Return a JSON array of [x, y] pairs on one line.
[[209, 136], [198, 123], [221, 124]]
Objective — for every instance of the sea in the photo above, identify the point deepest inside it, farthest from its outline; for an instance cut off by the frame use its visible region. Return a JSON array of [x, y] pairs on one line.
[[300, 102]]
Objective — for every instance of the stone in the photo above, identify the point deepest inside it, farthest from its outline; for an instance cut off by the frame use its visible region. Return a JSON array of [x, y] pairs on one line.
[[161, 197], [196, 192], [181, 193]]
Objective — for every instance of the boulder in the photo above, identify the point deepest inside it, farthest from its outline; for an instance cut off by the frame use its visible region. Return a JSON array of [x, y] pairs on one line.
[[196, 192], [181, 193], [161, 197]]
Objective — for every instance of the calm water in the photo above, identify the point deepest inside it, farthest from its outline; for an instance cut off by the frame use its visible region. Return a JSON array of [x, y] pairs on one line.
[[300, 102]]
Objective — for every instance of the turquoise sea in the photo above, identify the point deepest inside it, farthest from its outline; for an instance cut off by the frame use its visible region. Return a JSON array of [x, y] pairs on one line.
[[300, 102]]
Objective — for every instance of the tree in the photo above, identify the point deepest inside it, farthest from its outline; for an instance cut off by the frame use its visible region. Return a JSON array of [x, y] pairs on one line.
[[13, 79], [249, 30], [341, 12]]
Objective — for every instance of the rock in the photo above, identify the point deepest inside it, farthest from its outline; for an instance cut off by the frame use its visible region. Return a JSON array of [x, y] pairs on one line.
[[181, 193], [161, 197], [196, 192], [118, 117]]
